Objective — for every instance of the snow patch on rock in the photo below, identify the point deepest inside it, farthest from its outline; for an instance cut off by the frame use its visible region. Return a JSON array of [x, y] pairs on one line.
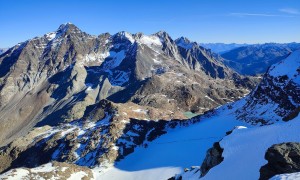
[[150, 40]]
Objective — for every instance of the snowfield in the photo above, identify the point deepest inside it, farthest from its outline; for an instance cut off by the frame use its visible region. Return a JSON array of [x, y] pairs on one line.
[[290, 176], [244, 149], [178, 149], [290, 64]]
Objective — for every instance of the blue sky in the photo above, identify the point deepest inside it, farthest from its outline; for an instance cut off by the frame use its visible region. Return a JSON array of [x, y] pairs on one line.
[[240, 21]]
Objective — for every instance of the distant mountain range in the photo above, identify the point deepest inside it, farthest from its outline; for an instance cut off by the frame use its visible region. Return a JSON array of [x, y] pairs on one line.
[[2, 50], [221, 47], [255, 59]]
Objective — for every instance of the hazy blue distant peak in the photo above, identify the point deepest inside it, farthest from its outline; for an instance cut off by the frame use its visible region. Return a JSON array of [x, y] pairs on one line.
[[221, 47], [2, 50]]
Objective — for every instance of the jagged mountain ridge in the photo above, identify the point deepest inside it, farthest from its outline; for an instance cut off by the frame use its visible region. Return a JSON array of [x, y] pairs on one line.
[[68, 70], [256, 109]]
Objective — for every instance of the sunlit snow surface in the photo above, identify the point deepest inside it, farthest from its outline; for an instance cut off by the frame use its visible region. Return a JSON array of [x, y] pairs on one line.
[[287, 67], [180, 148], [290, 176], [244, 149]]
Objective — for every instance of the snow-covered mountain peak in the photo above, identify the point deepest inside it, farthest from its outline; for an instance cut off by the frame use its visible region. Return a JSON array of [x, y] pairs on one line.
[[163, 36], [162, 33], [63, 30], [150, 40], [67, 26], [123, 35], [288, 67]]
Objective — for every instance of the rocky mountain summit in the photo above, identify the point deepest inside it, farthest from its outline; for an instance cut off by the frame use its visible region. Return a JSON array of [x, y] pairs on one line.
[[56, 78], [91, 100]]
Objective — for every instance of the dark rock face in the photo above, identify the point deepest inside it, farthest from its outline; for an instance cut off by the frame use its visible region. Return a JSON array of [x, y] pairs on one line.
[[282, 158], [213, 158], [256, 59]]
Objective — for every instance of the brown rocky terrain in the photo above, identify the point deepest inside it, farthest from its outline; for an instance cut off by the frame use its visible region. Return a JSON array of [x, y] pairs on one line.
[[102, 136]]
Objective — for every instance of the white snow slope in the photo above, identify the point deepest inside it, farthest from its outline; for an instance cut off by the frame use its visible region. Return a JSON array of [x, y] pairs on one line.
[[289, 176], [244, 149], [287, 67], [168, 155]]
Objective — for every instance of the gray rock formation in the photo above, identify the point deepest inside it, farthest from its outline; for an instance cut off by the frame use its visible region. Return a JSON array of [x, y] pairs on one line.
[[282, 158]]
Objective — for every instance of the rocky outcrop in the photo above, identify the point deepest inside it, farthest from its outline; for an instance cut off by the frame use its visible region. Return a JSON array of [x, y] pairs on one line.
[[212, 159], [282, 158]]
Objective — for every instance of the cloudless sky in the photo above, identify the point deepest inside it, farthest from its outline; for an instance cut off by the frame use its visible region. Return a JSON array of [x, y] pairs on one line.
[[239, 21]]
